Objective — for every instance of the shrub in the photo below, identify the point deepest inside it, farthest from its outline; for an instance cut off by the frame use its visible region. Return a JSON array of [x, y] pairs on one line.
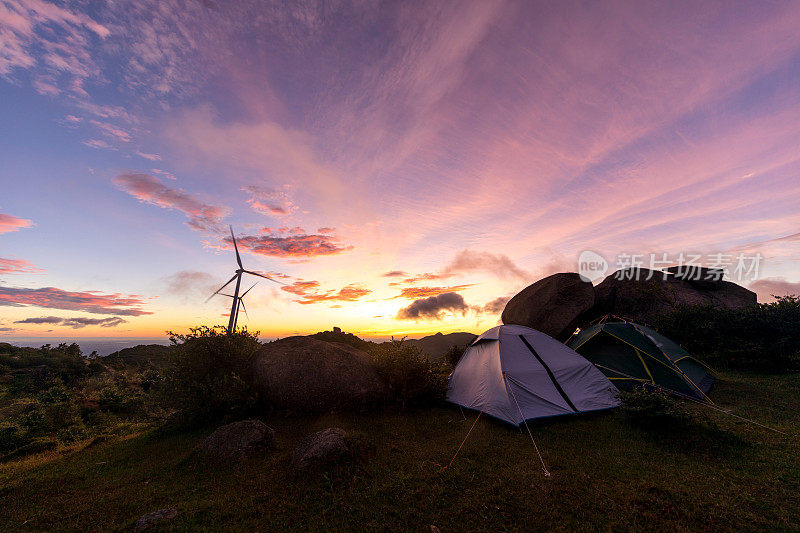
[[410, 377], [760, 337], [454, 355], [209, 372], [12, 437]]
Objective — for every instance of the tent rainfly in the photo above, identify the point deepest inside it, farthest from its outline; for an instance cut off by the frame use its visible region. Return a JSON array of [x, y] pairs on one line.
[[516, 373], [631, 354]]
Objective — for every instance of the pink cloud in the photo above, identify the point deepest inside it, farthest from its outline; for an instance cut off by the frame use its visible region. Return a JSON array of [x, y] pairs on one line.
[[98, 144], [309, 293], [426, 292], [112, 131], [289, 242], [271, 202], [18, 266], [45, 88], [63, 36], [89, 301], [10, 223], [151, 157], [149, 189]]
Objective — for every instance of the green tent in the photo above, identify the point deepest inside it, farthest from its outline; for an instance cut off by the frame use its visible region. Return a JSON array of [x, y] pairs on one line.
[[630, 354]]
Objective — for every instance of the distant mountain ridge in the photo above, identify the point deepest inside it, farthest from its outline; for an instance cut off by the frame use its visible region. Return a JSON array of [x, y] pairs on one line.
[[436, 346]]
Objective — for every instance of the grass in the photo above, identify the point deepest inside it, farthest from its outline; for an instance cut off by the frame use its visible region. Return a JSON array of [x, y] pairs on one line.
[[606, 474]]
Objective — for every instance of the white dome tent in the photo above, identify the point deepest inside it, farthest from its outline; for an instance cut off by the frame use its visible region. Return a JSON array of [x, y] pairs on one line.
[[515, 373]]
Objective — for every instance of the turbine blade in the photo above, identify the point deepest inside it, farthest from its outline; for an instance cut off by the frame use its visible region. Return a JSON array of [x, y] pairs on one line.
[[226, 284], [245, 308], [263, 276], [248, 290], [238, 259]]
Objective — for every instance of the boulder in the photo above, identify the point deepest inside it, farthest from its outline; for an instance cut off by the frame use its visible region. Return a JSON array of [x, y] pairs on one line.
[[309, 375], [700, 277], [553, 305], [642, 295], [239, 439], [322, 448]]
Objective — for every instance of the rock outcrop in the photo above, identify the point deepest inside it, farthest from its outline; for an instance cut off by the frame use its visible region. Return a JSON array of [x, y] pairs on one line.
[[557, 304], [553, 305], [645, 295], [304, 374]]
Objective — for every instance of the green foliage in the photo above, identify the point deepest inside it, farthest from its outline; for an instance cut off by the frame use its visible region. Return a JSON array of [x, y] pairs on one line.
[[32, 369], [53, 396], [761, 337], [411, 378], [209, 373], [454, 354]]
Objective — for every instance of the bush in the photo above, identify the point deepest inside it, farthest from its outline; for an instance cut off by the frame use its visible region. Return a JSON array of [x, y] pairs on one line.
[[454, 355], [410, 377], [760, 337], [209, 373]]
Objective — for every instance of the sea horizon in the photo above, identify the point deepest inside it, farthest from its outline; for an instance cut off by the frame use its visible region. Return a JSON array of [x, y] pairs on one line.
[[108, 345]]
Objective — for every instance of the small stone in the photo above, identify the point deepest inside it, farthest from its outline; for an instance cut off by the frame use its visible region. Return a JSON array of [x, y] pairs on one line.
[[156, 516], [239, 439]]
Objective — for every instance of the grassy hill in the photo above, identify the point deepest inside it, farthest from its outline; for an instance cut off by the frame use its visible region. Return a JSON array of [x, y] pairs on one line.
[[436, 346], [607, 473]]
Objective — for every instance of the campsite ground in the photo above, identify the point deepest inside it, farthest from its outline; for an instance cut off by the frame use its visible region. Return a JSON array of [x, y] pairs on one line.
[[606, 474]]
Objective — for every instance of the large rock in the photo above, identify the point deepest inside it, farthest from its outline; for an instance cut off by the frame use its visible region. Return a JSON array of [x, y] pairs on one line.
[[309, 375], [644, 295], [322, 448], [553, 305], [239, 439]]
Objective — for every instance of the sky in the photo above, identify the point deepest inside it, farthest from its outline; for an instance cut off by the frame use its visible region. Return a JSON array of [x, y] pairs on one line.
[[399, 167]]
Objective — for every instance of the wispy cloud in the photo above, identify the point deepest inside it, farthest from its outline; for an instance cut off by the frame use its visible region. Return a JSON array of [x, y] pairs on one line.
[[10, 223], [468, 261], [191, 283], [112, 130], [18, 266], [99, 144], [56, 39], [424, 292], [89, 301], [768, 288], [149, 189], [271, 202], [150, 157], [75, 323]]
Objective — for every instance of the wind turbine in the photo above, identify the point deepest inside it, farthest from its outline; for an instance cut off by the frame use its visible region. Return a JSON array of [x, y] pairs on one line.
[[241, 302], [238, 277]]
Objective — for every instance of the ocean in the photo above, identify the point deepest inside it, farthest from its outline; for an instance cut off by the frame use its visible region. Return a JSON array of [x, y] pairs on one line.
[[102, 345]]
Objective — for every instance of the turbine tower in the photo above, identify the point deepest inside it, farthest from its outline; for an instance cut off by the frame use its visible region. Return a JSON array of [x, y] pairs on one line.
[[237, 300]]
